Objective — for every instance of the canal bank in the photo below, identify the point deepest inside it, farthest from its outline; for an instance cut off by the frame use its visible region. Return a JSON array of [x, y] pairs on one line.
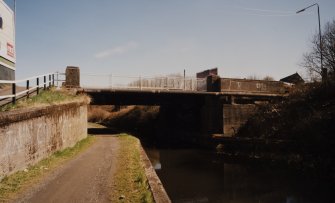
[[135, 180], [252, 173], [191, 174]]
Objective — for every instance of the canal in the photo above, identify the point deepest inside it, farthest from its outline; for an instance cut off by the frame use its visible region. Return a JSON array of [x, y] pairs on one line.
[[193, 175], [203, 175]]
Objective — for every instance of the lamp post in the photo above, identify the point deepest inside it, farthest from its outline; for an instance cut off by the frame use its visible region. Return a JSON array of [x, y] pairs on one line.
[[323, 70]]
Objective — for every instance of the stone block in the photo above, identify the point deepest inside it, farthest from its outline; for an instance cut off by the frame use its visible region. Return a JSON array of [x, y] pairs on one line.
[[72, 75]]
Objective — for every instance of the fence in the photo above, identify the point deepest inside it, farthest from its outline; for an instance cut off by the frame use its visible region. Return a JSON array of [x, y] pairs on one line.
[[142, 83], [25, 87]]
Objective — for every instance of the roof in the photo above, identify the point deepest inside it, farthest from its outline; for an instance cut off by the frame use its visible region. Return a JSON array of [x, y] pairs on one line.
[[294, 78]]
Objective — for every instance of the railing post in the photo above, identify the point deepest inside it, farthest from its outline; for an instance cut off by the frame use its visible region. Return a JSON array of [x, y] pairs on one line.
[[27, 87], [140, 83], [111, 81], [38, 85], [45, 82], [184, 80], [49, 81], [14, 93], [57, 78], [53, 80], [191, 87]]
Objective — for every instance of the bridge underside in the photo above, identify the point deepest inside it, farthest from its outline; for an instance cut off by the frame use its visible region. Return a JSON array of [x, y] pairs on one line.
[[145, 97], [216, 113], [163, 97]]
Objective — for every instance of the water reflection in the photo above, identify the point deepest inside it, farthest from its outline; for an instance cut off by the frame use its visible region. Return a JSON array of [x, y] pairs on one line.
[[201, 176]]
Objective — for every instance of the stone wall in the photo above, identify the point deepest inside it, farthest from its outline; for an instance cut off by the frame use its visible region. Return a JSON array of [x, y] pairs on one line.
[[30, 135], [235, 115]]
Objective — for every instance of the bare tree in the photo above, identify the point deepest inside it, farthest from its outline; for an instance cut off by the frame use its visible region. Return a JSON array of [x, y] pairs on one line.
[[256, 77], [312, 59], [268, 78], [253, 77]]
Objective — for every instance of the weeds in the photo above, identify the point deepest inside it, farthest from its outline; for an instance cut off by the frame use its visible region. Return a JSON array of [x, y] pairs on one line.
[[131, 184], [306, 119], [48, 97], [97, 114]]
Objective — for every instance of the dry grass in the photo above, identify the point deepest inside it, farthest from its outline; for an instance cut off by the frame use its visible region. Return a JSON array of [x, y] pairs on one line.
[[46, 98], [98, 114], [4, 86], [131, 184]]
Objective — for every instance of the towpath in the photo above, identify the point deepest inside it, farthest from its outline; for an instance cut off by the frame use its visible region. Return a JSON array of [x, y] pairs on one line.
[[86, 178]]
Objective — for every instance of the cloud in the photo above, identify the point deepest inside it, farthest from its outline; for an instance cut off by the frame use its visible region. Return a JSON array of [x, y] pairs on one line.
[[118, 50]]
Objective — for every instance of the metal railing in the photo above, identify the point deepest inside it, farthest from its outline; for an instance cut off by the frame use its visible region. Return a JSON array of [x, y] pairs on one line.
[[142, 83], [27, 87]]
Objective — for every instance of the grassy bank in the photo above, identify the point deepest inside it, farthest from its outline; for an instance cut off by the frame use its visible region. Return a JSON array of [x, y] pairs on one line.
[[130, 180], [48, 97], [11, 185]]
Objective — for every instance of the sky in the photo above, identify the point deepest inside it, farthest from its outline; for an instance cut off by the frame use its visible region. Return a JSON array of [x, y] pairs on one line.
[[158, 37]]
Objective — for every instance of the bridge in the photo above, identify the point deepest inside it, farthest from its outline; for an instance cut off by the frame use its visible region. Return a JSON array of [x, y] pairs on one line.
[[222, 104]]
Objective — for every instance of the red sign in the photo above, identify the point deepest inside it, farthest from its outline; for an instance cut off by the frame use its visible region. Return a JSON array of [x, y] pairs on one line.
[[10, 50]]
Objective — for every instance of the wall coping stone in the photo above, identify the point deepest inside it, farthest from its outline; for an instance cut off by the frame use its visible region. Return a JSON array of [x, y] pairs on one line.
[[17, 115], [156, 186]]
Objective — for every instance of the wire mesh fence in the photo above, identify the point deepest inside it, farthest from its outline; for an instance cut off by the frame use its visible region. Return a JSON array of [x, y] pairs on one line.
[[142, 83]]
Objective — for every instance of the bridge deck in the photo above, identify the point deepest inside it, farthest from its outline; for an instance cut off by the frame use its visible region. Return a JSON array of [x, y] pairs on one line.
[[158, 97], [180, 92]]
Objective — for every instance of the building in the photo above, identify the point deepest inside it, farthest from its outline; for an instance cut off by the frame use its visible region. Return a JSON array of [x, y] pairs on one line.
[[208, 72], [7, 42], [294, 79]]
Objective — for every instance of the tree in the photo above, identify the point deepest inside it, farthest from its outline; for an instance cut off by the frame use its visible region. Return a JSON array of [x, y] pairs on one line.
[[312, 59], [268, 78], [256, 77]]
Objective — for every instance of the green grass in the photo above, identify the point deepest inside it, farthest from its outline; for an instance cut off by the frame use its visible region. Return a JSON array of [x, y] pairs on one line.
[[47, 97], [12, 185], [131, 184]]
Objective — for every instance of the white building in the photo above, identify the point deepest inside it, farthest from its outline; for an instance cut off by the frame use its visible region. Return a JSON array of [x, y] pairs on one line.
[[7, 42]]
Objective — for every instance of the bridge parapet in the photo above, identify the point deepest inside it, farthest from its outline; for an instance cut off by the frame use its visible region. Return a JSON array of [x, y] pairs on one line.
[[210, 83], [140, 83], [253, 86]]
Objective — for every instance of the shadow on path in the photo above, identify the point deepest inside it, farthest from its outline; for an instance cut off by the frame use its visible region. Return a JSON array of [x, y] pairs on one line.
[[102, 131]]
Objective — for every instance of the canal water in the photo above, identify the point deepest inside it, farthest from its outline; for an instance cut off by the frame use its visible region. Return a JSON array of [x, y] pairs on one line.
[[193, 175]]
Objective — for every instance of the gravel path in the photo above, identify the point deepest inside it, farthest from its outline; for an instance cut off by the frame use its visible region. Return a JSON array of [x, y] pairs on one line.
[[86, 178]]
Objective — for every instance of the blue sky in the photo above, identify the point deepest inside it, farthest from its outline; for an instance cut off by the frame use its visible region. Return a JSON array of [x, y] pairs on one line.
[[158, 37]]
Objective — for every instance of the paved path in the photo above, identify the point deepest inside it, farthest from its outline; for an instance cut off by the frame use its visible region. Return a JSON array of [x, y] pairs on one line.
[[86, 178]]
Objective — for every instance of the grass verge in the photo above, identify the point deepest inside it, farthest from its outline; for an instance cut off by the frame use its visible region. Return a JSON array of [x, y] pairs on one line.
[[47, 97], [12, 185], [131, 184]]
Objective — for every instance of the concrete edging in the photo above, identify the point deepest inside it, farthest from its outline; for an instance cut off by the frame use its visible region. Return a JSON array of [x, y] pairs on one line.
[[156, 186]]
